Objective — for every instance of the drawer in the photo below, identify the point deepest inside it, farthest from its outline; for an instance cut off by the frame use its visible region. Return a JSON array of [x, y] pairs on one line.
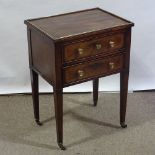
[[92, 69], [93, 47]]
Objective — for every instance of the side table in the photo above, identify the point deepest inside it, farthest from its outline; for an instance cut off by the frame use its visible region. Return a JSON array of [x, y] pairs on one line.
[[76, 47]]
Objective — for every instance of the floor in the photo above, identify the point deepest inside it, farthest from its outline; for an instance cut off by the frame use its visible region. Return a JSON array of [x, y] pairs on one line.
[[88, 130]]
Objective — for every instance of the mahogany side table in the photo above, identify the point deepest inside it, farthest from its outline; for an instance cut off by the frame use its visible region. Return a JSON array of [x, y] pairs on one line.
[[72, 48]]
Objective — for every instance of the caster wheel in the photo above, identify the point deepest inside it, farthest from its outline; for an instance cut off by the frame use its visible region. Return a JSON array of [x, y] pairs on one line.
[[123, 125], [39, 123], [61, 146]]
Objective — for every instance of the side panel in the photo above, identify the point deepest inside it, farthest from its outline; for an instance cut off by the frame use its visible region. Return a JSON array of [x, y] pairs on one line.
[[42, 55]]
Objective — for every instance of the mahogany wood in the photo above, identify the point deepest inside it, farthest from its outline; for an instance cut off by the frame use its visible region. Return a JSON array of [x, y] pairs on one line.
[[92, 68], [76, 47], [89, 48], [95, 91]]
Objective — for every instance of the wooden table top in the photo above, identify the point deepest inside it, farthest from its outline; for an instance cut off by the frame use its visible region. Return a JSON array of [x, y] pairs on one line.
[[76, 23]]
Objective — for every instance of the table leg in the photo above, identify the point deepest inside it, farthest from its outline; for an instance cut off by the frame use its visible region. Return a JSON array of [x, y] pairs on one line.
[[123, 97], [35, 95], [95, 91], [58, 101]]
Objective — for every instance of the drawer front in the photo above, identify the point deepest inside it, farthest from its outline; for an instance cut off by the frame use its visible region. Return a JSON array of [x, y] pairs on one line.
[[93, 69], [89, 48]]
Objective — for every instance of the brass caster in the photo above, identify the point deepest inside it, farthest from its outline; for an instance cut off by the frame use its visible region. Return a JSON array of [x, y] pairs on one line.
[[123, 125], [39, 123], [61, 146]]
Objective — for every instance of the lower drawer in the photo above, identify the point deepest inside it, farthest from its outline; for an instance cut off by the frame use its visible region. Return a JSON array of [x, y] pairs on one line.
[[92, 69]]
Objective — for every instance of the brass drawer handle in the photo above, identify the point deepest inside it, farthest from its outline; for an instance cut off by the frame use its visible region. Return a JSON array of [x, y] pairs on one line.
[[112, 65], [80, 51], [112, 43], [81, 73], [98, 46]]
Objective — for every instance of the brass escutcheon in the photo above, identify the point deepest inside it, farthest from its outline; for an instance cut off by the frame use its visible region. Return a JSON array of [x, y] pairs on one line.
[[81, 73], [112, 43], [112, 65], [98, 46], [80, 51]]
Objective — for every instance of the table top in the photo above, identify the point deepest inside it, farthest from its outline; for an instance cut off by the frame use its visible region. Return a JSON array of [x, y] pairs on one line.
[[77, 23]]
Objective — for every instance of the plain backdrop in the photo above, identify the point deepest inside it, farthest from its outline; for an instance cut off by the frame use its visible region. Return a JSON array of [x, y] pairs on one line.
[[14, 68]]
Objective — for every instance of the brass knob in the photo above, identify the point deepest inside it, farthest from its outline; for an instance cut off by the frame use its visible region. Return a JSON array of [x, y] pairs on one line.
[[80, 51], [112, 43], [112, 65], [81, 73], [98, 46]]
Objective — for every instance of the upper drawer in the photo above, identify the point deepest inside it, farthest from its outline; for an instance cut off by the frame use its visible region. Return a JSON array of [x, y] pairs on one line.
[[93, 47]]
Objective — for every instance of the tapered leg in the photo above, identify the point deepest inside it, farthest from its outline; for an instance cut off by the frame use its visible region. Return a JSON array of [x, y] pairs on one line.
[[58, 100], [35, 95], [123, 97], [95, 91]]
